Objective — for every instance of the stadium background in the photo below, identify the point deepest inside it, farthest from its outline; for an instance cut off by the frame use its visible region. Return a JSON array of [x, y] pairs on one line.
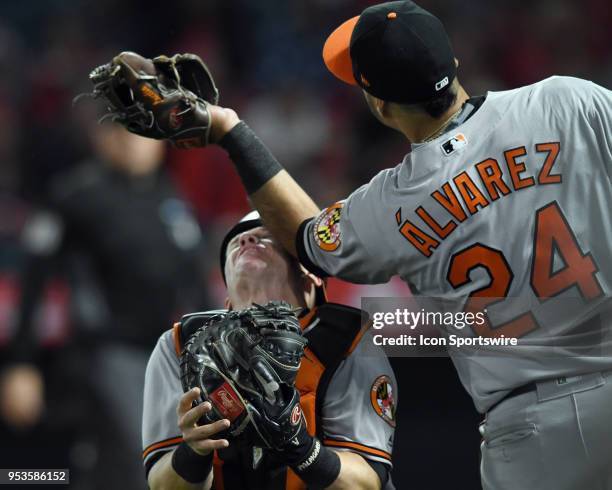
[[266, 58]]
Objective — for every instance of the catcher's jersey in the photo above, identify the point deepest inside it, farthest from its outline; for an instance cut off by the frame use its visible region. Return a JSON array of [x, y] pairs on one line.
[[513, 202], [357, 412]]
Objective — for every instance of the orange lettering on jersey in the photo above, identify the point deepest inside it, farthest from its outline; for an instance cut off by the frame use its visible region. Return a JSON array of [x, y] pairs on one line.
[[517, 168], [552, 152], [491, 176], [450, 201], [441, 231], [398, 216], [423, 242], [470, 193]]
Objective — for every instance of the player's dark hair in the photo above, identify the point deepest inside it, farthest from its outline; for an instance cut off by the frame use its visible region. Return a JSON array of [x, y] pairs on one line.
[[437, 106]]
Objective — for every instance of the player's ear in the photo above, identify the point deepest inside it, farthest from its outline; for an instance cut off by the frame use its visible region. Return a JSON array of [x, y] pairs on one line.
[[310, 283], [313, 280], [381, 107], [456, 63]]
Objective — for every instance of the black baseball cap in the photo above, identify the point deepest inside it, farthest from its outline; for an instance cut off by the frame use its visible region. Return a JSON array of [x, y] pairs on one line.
[[396, 51], [248, 222]]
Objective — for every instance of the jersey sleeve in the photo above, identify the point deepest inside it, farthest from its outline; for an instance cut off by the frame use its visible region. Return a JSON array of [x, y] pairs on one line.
[[343, 240], [359, 409], [160, 432]]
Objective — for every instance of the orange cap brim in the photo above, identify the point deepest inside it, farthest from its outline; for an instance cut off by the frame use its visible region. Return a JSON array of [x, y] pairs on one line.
[[336, 52]]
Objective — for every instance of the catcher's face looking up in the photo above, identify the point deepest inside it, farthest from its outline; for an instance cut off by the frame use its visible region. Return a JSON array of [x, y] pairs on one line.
[[257, 270]]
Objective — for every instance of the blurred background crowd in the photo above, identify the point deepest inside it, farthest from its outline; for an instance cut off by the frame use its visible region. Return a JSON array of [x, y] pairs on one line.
[[106, 238]]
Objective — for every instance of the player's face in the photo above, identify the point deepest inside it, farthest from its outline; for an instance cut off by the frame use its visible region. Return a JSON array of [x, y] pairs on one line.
[[254, 255]]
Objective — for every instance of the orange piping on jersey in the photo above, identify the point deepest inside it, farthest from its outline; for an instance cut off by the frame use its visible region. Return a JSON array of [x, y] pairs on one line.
[[358, 337], [357, 447], [176, 333], [161, 444], [217, 472]]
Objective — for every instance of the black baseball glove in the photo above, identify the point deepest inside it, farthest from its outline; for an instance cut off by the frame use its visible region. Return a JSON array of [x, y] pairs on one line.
[[245, 364], [162, 98]]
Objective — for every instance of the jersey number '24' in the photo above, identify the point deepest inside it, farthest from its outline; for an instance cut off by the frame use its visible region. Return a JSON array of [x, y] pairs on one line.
[[552, 233]]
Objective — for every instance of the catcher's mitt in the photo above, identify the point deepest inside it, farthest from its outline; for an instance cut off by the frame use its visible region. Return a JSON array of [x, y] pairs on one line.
[[163, 98], [245, 364]]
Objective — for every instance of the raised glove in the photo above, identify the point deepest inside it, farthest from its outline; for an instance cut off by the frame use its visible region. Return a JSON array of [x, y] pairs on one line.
[[245, 364], [163, 98]]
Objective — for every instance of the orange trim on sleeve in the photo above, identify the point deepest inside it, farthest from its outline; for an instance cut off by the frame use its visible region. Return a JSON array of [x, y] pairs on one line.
[[357, 447], [176, 333], [161, 444]]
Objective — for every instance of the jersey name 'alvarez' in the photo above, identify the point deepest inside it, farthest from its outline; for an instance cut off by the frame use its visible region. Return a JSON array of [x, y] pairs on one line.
[[493, 184]]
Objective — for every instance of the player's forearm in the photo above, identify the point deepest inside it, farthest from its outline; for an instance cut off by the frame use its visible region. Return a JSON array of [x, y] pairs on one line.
[[282, 203], [355, 473], [163, 477]]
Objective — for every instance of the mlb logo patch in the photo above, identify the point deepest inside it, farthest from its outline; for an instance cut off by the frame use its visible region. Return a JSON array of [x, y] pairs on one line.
[[453, 144]]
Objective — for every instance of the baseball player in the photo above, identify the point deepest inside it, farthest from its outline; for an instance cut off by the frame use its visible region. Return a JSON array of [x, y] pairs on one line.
[[502, 195], [348, 399]]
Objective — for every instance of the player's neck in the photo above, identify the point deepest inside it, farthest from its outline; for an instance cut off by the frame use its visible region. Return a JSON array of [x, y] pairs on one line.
[[420, 127], [248, 293]]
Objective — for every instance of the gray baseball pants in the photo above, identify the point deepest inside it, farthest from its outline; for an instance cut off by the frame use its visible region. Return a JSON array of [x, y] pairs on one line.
[[557, 437]]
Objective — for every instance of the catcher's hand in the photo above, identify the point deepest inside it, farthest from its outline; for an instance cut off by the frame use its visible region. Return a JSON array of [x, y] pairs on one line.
[[245, 364], [199, 438], [162, 98]]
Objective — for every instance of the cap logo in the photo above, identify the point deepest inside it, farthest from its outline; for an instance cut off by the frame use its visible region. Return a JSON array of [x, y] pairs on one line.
[[441, 84]]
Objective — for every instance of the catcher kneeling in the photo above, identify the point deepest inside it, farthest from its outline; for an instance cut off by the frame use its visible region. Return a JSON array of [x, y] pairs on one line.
[[253, 397]]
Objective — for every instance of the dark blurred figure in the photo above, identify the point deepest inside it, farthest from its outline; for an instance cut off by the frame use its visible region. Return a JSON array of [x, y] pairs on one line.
[[115, 229]]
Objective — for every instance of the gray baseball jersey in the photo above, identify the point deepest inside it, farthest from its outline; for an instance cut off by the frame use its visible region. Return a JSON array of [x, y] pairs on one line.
[[358, 410], [514, 202]]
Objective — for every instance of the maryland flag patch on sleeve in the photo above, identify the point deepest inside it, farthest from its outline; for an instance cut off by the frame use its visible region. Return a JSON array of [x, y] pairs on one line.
[[327, 228], [383, 399]]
